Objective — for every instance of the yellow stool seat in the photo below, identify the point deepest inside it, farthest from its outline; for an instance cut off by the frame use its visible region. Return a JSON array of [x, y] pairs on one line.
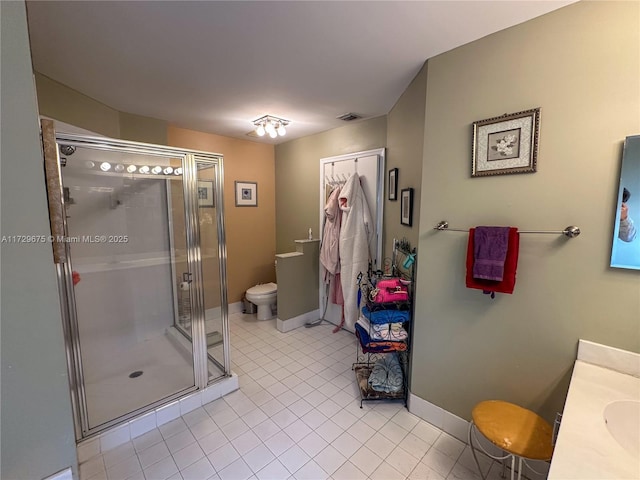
[[514, 429], [519, 432]]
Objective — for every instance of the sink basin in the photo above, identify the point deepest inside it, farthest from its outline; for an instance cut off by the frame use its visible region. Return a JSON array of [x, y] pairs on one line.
[[623, 422]]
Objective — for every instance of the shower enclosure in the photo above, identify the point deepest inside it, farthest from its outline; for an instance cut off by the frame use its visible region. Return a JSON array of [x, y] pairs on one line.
[[143, 283]]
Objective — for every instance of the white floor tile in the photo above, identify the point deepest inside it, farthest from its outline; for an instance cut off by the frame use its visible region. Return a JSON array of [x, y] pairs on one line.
[[212, 442], [279, 443], [266, 429], [402, 461], [366, 460], [346, 444], [330, 459], [273, 471], [258, 458], [424, 472], [153, 454], [238, 470], [450, 446], [202, 469], [246, 442], [293, 459], [161, 470], [380, 444], [188, 456], [180, 441], [296, 416], [203, 428], [312, 444], [386, 472], [223, 456], [438, 461], [297, 430], [311, 471], [348, 471], [124, 469]]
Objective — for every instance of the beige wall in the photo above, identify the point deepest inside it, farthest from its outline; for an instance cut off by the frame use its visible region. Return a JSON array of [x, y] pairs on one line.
[[251, 238], [405, 141], [142, 129], [580, 64], [298, 175]]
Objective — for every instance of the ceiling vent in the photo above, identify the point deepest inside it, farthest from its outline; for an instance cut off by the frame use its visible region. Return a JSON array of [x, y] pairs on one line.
[[349, 117]]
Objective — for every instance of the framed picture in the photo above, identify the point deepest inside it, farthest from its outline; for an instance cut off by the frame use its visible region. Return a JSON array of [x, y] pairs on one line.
[[406, 206], [246, 194], [506, 144], [393, 184], [205, 194]]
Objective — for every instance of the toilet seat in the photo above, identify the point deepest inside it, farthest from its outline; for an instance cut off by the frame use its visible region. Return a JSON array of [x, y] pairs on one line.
[[263, 289]]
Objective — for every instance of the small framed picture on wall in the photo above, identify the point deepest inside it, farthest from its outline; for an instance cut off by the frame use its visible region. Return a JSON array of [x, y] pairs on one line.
[[393, 184], [246, 194], [406, 206]]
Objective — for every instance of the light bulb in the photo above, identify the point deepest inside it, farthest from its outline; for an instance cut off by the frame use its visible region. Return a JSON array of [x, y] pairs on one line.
[[144, 169], [178, 171], [89, 164], [168, 171], [105, 166], [270, 129], [131, 168], [273, 133], [260, 131], [281, 130], [119, 168], [156, 170]]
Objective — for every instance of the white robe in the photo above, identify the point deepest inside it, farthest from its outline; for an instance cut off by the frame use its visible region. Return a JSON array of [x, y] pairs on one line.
[[355, 237]]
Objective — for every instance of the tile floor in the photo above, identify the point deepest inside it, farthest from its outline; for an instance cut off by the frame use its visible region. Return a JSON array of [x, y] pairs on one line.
[[296, 416]]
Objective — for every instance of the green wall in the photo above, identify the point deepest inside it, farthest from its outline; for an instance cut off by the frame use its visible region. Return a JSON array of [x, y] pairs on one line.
[[405, 142], [298, 175], [581, 65], [36, 421]]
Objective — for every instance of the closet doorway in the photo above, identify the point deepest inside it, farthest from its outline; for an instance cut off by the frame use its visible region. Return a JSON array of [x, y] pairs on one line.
[[369, 165]]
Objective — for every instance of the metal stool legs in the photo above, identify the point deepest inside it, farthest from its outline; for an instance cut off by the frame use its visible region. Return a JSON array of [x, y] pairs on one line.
[[472, 434]]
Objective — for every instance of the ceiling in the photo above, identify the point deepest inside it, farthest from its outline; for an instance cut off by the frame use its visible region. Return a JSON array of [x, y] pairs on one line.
[[216, 66]]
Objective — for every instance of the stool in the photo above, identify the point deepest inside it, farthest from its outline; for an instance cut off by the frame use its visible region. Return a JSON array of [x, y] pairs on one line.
[[517, 431]]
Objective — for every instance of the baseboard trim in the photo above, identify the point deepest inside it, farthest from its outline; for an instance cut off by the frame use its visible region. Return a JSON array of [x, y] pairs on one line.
[[297, 322]]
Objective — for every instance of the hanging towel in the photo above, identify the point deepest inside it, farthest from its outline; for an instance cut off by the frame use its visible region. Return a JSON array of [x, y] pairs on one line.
[[510, 265], [489, 252]]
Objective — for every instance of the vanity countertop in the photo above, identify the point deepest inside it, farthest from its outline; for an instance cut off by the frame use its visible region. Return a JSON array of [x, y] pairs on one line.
[[585, 449]]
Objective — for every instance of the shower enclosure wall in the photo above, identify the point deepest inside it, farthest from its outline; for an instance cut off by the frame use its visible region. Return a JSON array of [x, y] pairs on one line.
[[143, 283]]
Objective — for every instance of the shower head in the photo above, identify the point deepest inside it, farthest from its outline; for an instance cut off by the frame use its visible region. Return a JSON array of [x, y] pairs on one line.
[[67, 149]]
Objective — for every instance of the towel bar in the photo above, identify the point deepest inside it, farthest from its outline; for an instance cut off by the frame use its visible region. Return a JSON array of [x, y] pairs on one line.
[[571, 231]]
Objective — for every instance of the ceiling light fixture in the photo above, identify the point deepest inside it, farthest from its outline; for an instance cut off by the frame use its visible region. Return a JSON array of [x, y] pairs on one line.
[[274, 126]]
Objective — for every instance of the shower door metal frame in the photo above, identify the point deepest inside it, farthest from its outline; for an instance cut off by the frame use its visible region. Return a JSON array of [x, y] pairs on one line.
[[66, 290]]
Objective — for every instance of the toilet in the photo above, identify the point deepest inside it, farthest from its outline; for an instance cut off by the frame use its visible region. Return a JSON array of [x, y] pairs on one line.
[[264, 296]]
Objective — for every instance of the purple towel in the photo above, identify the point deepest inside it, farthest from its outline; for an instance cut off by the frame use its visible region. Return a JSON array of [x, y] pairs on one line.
[[490, 251]]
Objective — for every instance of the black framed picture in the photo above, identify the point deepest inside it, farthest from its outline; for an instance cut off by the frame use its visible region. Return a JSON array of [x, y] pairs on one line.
[[393, 184], [406, 206]]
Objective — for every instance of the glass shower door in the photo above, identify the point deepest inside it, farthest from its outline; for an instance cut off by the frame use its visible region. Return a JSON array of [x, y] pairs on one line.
[[132, 281]]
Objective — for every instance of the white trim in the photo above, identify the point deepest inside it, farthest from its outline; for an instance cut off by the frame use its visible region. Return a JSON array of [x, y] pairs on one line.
[[65, 474], [609, 357], [297, 322]]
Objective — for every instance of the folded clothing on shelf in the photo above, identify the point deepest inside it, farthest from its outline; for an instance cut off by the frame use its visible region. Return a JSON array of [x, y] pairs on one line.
[[370, 345], [386, 375], [383, 331], [386, 316]]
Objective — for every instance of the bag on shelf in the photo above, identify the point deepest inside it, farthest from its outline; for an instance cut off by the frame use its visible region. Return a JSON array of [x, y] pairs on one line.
[[389, 290]]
